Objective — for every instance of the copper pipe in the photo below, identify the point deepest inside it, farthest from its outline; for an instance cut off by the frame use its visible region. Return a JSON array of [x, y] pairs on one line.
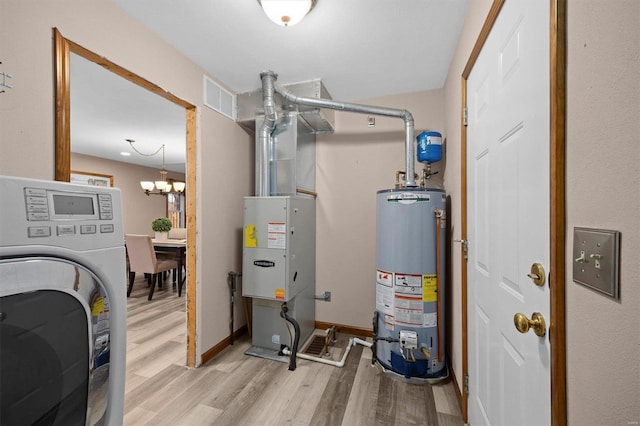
[[438, 214], [398, 174], [304, 191]]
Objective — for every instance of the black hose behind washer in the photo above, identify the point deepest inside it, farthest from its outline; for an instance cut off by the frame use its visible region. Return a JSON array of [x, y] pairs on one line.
[[296, 336]]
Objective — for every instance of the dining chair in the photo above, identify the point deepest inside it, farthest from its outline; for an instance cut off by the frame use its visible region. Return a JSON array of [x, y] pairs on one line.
[[142, 259]]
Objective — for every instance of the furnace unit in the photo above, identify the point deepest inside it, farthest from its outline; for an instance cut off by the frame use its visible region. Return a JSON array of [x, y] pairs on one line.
[[278, 266], [279, 246]]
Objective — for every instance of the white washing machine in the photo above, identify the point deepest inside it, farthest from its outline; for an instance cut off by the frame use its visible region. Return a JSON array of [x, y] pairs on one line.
[[62, 303]]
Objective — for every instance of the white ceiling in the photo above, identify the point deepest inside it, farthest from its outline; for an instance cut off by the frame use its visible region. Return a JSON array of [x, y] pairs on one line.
[[359, 48], [106, 110]]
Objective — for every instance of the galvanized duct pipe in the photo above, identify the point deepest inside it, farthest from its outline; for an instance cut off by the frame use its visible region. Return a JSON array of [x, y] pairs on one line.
[[263, 187], [363, 109]]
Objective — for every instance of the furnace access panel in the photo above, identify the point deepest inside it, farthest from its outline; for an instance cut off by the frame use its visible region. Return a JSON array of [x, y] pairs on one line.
[[279, 247]]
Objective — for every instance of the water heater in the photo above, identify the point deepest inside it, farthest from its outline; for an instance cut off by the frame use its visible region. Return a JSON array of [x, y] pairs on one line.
[[409, 318]]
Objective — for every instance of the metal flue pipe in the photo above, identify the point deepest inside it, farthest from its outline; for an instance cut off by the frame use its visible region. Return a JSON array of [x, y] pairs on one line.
[[263, 186], [358, 108]]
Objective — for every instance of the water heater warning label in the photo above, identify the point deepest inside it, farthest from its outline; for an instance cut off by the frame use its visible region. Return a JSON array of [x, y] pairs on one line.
[[384, 278], [429, 288], [384, 297], [401, 297], [430, 319], [408, 299], [408, 284], [408, 310]]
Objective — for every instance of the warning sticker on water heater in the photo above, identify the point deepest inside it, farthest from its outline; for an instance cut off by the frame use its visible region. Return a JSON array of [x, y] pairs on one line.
[[429, 288], [430, 319], [384, 297], [384, 278], [408, 308], [408, 284], [277, 235]]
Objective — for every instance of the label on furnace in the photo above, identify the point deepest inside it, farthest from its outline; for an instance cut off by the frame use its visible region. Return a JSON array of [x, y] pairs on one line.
[[277, 235]]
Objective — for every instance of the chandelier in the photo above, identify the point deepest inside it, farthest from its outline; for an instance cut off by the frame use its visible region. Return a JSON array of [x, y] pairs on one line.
[[163, 186]]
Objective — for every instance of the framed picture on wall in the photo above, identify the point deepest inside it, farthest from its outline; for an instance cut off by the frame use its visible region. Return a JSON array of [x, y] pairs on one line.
[[92, 179]]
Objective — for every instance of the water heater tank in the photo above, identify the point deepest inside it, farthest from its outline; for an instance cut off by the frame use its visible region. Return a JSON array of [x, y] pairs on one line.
[[410, 299]]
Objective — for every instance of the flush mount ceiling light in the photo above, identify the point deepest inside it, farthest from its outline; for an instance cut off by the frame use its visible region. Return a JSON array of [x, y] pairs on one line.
[[164, 185], [287, 12]]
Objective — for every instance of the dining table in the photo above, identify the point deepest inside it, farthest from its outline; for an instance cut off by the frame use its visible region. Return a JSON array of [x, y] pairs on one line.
[[177, 248]]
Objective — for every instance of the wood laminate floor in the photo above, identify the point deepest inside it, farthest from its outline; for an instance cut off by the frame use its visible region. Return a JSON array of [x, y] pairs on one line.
[[237, 389]]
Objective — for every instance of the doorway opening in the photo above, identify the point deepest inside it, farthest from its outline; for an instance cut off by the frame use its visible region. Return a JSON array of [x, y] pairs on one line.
[[62, 77]]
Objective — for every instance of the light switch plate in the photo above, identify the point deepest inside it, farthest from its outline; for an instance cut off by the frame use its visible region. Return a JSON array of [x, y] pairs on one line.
[[596, 259]]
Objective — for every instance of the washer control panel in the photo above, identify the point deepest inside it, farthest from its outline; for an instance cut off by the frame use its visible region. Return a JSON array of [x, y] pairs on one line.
[[45, 205], [59, 213]]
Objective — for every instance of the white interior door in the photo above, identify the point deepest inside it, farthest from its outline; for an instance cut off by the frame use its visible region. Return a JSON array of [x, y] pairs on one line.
[[508, 218]]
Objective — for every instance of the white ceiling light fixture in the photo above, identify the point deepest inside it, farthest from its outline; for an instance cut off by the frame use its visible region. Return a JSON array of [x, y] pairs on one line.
[[164, 185], [287, 13]]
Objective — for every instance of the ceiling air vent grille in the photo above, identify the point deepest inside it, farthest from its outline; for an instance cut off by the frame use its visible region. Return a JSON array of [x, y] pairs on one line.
[[219, 99]]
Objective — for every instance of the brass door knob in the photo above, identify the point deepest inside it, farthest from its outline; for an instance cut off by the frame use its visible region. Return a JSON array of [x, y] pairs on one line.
[[523, 324]]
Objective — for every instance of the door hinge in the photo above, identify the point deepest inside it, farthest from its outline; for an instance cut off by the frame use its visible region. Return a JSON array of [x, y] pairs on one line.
[[466, 384], [465, 116], [465, 247]]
